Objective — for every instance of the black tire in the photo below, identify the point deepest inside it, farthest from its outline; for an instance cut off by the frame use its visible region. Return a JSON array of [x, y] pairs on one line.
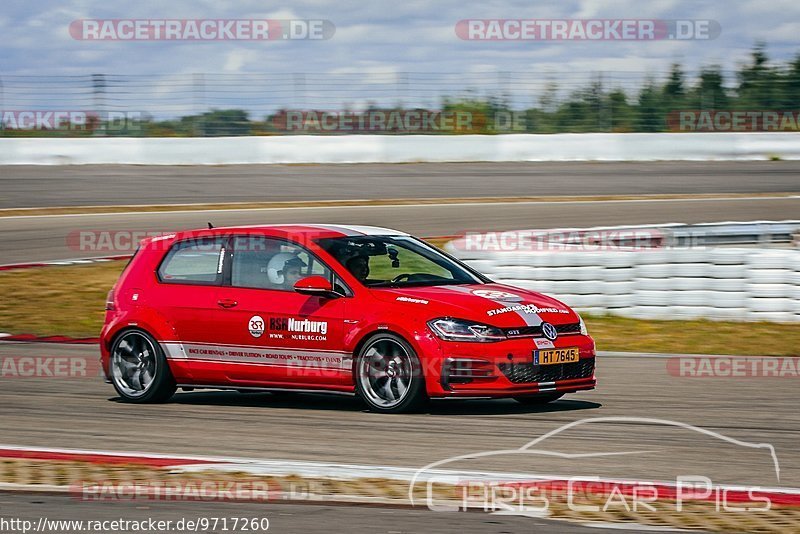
[[539, 399], [135, 352], [400, 390]]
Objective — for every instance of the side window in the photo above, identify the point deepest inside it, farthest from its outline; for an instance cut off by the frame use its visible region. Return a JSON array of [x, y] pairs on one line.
[[268, 263], [195, 261]]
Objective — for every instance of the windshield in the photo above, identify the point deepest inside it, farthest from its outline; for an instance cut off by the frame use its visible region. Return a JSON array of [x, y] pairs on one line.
[[396, 261]]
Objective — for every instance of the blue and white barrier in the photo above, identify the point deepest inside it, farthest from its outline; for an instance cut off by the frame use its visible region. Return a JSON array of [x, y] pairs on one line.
[[719, 283]]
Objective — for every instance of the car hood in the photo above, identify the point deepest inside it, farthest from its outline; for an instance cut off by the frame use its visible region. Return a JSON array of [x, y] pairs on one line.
[[494, 304]]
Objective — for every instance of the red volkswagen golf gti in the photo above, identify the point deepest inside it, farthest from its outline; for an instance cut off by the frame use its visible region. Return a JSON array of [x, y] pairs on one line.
[[348, 309]]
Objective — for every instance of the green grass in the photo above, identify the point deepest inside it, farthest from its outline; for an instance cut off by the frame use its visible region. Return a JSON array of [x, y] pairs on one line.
[[70, 300], [694, 337]]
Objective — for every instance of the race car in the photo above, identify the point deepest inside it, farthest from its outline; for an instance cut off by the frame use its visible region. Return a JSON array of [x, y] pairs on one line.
[[329, 308]]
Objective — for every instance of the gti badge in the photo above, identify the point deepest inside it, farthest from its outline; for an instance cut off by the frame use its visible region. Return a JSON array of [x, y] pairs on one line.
[[549, 331]]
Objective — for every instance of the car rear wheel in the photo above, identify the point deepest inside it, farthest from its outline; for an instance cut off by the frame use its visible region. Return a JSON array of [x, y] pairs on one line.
[[389, 375], [536, 400], [139, 370]]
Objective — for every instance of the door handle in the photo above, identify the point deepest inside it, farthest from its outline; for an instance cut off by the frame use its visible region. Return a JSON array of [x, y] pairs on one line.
[[227, 303]]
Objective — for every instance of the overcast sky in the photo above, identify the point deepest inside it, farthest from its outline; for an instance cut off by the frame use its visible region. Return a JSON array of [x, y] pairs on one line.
[[383, 37]]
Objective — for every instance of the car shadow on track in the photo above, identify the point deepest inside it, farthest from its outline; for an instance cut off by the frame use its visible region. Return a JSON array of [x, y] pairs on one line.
[[314, 401], [506, 407]]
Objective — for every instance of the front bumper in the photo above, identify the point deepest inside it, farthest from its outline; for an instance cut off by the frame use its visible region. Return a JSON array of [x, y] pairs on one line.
[[505, 369]]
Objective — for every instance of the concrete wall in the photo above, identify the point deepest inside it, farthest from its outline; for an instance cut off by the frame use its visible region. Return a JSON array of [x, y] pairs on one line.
[[396, 149]]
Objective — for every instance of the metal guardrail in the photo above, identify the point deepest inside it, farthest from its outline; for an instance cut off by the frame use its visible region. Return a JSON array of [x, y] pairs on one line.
[[736, 233]]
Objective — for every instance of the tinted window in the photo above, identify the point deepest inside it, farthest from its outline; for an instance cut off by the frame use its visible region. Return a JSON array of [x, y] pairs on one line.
[[194, 261]]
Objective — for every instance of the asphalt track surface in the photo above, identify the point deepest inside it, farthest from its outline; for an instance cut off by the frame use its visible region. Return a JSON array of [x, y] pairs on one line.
[[81, 185], [283, 518], [25, 239], [85, 413]]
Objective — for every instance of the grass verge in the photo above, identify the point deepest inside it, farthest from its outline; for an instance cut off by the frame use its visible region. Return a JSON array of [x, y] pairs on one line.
[[69, 300]]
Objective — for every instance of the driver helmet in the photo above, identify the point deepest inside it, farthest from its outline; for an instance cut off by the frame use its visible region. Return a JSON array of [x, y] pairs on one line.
[[279, 263]]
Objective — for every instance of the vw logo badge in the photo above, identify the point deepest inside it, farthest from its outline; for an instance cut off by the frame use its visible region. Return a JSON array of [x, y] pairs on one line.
[[549, 331]]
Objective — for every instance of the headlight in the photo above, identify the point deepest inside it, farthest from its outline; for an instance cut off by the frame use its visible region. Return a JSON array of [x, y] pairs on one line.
[[584, 331], [463, 330]]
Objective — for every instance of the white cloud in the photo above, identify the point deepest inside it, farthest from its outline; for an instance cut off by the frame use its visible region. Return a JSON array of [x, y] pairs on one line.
[[376, 40]]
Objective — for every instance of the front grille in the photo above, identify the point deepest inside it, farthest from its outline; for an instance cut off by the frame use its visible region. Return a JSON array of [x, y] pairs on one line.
[[536, 331], [522, 373]]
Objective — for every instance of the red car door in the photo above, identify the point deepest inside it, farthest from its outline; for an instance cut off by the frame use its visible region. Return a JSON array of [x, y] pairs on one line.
[[190, 277], [265, 333]]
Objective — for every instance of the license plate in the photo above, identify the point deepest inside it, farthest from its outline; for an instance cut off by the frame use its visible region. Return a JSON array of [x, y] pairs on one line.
[[554, 356]]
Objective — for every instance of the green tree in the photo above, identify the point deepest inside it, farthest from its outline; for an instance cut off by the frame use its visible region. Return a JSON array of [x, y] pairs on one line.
[[710, 92], [759, 84], [650, 113]]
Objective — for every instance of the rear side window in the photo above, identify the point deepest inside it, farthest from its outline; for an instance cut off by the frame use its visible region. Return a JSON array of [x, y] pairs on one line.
[[196, 261]]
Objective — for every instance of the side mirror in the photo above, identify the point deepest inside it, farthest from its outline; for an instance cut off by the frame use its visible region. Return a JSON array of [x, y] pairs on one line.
[[316, 285]]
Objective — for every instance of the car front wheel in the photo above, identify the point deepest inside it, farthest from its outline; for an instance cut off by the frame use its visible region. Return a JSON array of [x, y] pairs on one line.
[[389, 375]]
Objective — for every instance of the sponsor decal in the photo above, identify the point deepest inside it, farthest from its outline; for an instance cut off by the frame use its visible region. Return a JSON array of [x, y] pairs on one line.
[[298, 329], [525, 308], [412, 300], [543, 343], [305, 359], [221, 260], [256, 326], [496, 295], [549, 331], [290, 324]]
